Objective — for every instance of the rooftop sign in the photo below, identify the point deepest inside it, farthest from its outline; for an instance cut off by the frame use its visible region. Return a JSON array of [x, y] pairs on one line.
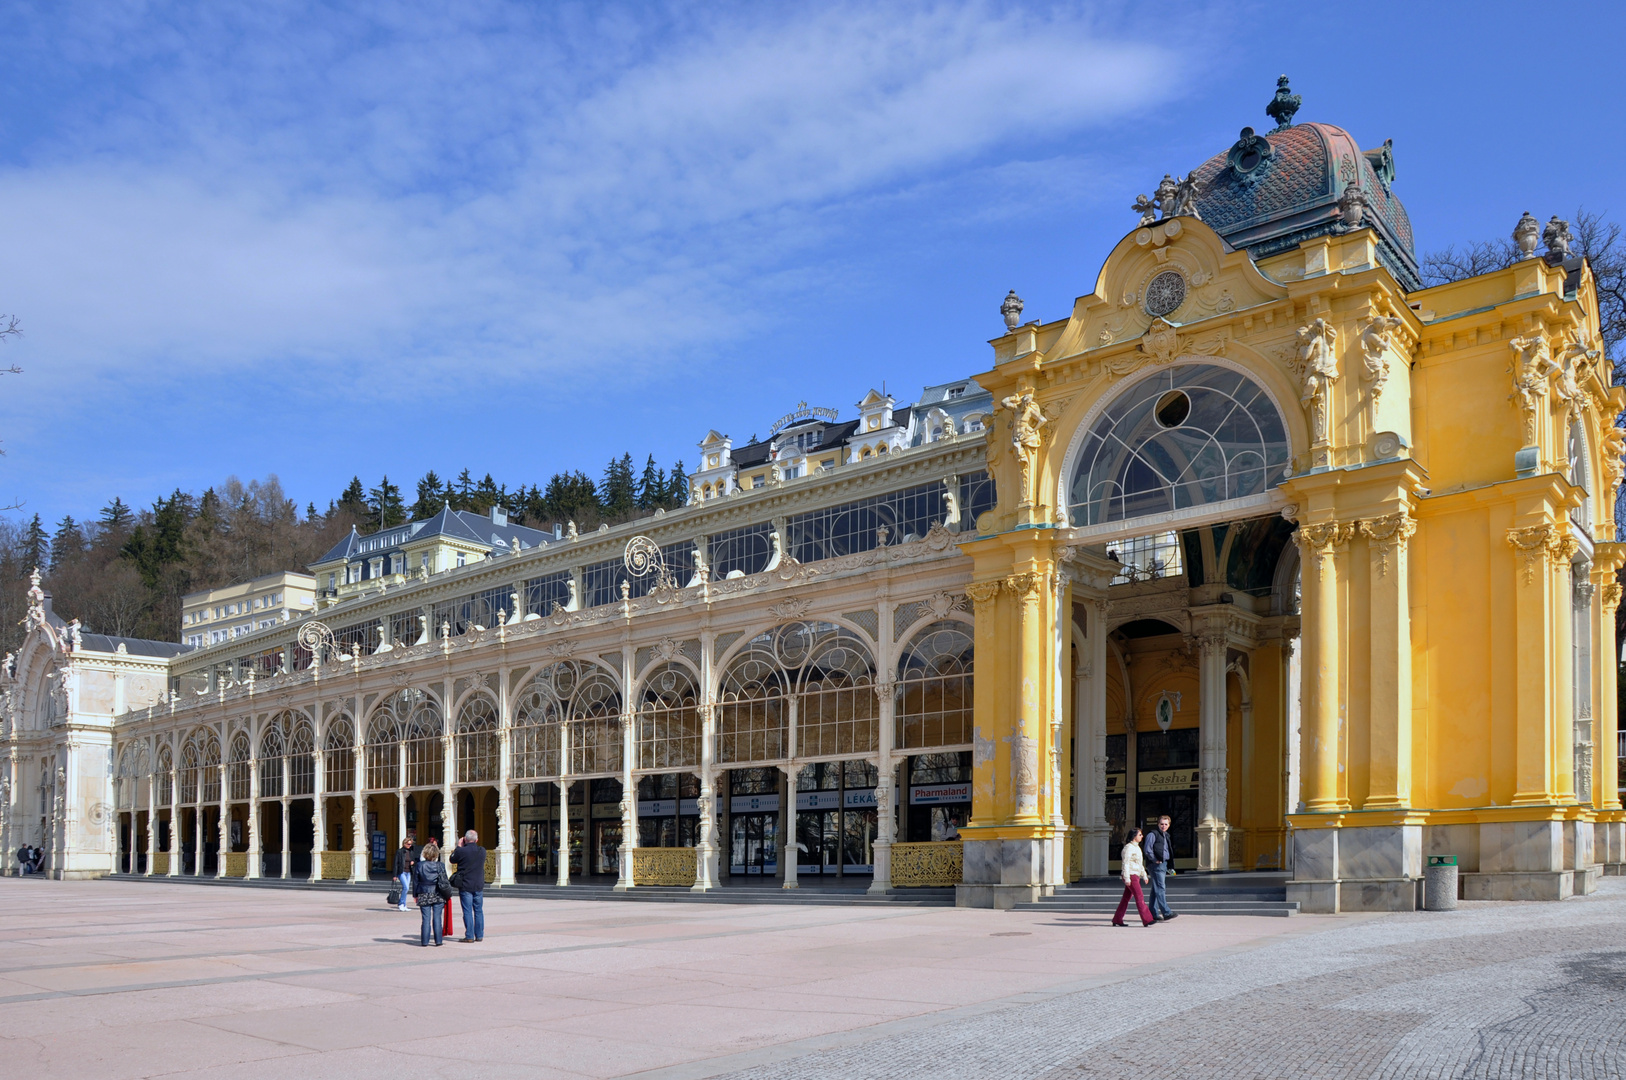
[[803, 411]]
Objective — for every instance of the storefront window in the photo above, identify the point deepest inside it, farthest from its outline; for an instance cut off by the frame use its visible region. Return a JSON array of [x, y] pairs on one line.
[[939, 796]]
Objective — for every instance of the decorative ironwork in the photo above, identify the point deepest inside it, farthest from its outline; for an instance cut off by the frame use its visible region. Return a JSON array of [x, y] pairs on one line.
[[237, 864], [1075, 855], [939, 862], [663, 866], [160, 863], [644, 558], [335, 865], [317, 639]]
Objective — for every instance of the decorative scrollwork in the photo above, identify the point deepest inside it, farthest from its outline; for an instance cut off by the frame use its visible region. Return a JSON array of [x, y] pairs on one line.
[[317, 639], [643, 557], [663, 865]]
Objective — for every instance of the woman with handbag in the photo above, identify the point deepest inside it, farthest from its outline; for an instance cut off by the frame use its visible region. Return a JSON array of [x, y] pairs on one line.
[[432, 888], [1133, 874]]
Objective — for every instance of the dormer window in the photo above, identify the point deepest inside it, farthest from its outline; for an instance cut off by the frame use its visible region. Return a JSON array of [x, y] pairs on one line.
[[873, 423], [714, 459]]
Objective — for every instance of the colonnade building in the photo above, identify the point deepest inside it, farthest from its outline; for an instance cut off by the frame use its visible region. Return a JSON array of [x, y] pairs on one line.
[[1262, 534]]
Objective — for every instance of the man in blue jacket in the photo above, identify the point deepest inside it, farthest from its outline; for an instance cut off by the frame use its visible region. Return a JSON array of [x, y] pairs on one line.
[[1159, 858]]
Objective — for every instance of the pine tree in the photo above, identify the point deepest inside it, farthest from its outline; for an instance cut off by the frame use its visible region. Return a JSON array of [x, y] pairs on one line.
[[677, 486], [68, 544], [116, 517], [464, 491], [651, 486], [618, 492], [36, 546], [430, 498], [354, 499], [311, 517], [486, 495], [384, 506]]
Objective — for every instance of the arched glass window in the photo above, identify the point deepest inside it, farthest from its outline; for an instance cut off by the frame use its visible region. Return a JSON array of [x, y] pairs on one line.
[[933, 691], [1189, 435], [477, 750], [339, 757]]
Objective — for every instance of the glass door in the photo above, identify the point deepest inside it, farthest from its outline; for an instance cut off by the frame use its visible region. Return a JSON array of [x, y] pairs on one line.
[[754, 844]]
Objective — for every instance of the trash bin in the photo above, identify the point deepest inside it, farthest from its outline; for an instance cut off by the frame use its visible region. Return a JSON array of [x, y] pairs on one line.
[[1440, 883]]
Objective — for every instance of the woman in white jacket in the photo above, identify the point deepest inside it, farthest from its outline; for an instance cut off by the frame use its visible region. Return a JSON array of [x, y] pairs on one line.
[[1134, 872]]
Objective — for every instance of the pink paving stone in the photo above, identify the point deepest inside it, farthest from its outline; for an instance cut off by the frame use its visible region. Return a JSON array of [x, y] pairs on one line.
[[189, 981]]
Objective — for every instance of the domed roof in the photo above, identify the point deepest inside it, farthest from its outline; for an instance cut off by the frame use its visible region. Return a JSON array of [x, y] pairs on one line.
[[1270, 192]]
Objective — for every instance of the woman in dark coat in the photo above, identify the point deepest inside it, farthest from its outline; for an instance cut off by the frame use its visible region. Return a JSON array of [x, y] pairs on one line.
[[426, 881]]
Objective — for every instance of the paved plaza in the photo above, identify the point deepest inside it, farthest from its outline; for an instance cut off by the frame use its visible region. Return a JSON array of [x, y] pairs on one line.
[[117, 979]]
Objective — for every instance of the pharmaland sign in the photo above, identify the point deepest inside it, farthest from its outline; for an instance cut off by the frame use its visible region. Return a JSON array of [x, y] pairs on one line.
[[938, 794]]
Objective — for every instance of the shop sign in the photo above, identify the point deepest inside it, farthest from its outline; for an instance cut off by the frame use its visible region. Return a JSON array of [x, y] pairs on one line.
[[688, 807], [937, 794], [606, 809], [863, 799], [818, 800], [751, 804], [1115, 783], [1168, 780]]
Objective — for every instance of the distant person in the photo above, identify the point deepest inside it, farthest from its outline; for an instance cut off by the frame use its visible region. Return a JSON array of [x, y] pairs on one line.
[[405, 860], [432, 888], [25, 860], [38, 859], [1159, 861], [1133, 873], [470, 882]]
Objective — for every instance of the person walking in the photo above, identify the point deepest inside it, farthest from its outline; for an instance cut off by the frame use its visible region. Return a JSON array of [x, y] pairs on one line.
[[470, 881], [428, 882], [1159, 861], [1133, 873], [405, 860], [25, 860]]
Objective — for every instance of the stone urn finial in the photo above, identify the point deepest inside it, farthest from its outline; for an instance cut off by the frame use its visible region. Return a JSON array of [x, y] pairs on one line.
[[1282, 107], [1527, 234], [1012, 310]]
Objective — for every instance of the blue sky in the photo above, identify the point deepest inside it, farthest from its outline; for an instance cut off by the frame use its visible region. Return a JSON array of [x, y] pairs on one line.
[[290, 238]]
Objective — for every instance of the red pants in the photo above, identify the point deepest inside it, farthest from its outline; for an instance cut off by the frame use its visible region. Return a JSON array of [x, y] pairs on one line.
[[1133, 889]]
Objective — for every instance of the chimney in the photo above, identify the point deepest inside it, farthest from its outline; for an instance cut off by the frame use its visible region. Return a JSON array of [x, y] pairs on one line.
[[499, 516], [558, 531]]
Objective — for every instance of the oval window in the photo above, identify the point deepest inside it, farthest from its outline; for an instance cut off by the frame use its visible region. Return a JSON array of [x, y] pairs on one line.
[[1165, 293], [1173, 408]]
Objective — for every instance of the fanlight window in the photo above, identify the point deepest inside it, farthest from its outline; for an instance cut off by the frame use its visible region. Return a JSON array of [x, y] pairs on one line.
[[273, 748], [302, 759], [934, 688], [570, 715], [166, 786], [238, 771], [817, 676], [339, 756], [208, 768], [477, 748], [1188, 436], [668, 736]]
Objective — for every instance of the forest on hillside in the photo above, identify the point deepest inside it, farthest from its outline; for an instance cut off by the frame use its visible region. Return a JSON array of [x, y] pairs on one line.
[[123, 571]]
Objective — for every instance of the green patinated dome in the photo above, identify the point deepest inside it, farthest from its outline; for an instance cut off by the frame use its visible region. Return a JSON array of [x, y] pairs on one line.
[[1269, 192]]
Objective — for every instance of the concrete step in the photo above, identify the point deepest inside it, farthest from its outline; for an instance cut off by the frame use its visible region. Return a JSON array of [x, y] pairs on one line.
[[815, 896]]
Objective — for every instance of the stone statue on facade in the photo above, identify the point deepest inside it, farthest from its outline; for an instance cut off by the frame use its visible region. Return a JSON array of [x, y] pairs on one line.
[[1011, 309], [1147, 209], [1185, 198], [1375, 344], [1317, 359], [1532, 367], [1527, 234], [1558, 240], [1026, 420]]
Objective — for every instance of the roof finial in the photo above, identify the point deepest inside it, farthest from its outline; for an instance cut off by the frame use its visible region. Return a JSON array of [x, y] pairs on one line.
[[1011, 309], [1283, 105]]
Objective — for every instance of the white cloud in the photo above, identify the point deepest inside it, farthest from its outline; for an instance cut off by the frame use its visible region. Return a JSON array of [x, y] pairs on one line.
[[497, 194]]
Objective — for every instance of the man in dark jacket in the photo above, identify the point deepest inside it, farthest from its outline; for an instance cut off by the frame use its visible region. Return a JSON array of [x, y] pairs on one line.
[[1159, 858], [470, 882], [405, 860]]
